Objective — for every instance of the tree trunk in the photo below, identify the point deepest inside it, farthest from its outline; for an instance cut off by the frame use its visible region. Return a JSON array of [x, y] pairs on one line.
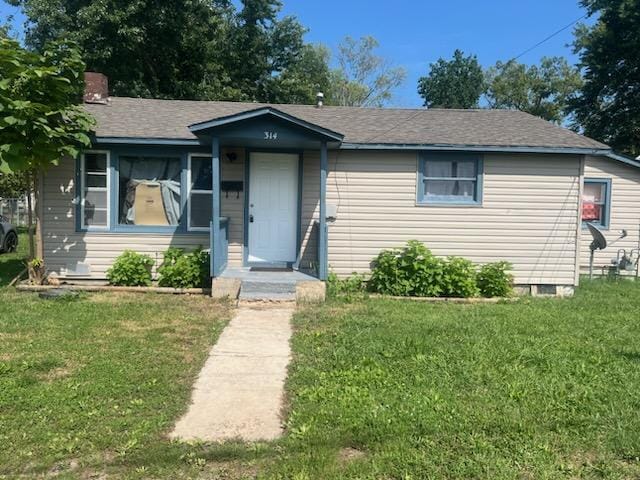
[[38, 180], [30, 190]]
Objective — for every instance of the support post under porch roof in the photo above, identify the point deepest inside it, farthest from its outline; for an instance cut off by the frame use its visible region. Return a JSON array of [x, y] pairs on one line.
[[323, 263], [216, 255]]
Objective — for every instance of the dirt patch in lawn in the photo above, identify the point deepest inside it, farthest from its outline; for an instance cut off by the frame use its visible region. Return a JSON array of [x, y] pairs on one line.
[[109, 297], [56, 374], [349, 454], [583, 459], [135, 326]]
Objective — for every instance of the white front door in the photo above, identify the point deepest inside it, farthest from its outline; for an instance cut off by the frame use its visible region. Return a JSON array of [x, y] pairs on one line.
[[273, 207]]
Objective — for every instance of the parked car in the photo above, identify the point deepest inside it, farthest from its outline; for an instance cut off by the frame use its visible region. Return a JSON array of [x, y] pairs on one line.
[[8, 236]]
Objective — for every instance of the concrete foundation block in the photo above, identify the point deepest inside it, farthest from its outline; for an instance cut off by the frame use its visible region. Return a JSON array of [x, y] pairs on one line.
[[552, 290], [225, 288], [522, 290], [565, 291], [310, 292]]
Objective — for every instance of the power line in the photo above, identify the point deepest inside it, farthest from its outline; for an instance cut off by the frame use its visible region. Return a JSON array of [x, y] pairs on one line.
[[549, 37]]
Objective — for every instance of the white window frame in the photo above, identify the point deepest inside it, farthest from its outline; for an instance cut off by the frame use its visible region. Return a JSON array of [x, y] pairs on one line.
[[190, 191], [82, 195]]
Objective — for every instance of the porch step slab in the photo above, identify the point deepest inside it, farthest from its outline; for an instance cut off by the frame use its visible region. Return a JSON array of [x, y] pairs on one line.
[[262, 304], [267, 291], [267, 297]]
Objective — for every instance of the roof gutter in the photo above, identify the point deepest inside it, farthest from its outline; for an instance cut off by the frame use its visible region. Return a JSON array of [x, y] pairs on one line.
[[475, 148], [148, 141], [622, 158], [608, 153]]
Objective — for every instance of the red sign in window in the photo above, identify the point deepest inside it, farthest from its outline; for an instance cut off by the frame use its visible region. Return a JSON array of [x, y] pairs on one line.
[[590, 211]]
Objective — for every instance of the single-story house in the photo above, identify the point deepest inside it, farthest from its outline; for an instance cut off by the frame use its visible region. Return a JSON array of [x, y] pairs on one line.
[[321, 188]]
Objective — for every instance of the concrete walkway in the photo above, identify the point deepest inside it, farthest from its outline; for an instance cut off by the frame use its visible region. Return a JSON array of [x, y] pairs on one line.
[[240, 390]]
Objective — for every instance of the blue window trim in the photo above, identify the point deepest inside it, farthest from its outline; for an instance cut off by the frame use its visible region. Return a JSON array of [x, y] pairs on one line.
[[191, 191], [604, 225], [114, 191], [424, 157]]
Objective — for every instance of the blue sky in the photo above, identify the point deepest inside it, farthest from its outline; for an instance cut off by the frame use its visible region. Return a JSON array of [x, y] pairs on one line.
[[415, 33]]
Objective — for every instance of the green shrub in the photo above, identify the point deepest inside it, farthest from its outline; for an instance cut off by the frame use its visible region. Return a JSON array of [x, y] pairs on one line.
[[459, 279], [131, 269], [410, 271], [355, 284], [184, 270], [494, 280]]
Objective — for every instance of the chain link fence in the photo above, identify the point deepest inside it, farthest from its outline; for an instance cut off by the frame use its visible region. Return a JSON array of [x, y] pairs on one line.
[[15, 210]]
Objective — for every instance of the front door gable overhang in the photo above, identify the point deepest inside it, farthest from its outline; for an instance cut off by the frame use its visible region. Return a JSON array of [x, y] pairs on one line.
[[266, 127]]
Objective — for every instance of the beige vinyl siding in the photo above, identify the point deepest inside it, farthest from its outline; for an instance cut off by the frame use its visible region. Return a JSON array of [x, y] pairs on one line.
[[63, 247], [232, 205], [625, 209], [528, 216], [310, 206]]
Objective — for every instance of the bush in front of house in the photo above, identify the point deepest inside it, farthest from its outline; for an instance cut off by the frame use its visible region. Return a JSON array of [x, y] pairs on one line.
[[459, 278], [411, 271], [184, 270], [494, 280], [131, 269]]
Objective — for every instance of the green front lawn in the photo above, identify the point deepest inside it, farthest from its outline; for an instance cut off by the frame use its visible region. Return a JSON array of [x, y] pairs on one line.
[[11, 264], [540, 388], [535, 389], [92, 385]]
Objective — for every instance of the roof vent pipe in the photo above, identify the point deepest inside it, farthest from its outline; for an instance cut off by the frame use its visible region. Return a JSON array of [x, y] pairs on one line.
[[319, 100]]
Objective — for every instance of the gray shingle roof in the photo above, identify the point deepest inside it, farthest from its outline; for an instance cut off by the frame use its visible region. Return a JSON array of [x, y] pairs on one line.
[[170, 119]]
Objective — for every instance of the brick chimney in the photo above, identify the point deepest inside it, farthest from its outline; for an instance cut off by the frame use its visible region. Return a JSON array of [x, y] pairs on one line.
[[96, 87]]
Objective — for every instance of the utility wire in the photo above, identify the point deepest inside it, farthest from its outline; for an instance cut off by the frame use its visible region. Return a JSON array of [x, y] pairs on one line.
[[549, 37]]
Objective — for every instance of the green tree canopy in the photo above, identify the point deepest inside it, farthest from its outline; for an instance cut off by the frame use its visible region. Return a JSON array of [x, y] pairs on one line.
[[455, 83], [266, 56], [14, 185], [40, 119], [608, 107], [304, 79], [159, 48], [362, 78], [184, 49], [543, 90]]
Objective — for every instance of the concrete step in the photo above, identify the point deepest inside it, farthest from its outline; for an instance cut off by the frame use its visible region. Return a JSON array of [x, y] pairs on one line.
[[261, 304], [267, 291]]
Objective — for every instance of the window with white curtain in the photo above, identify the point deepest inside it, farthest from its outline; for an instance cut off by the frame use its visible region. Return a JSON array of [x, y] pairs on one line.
[[94, 190], [149, 190], [450, 178], [200, 192]]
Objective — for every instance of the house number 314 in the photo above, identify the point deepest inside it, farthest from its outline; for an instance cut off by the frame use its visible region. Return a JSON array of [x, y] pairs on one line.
[[270, 135]]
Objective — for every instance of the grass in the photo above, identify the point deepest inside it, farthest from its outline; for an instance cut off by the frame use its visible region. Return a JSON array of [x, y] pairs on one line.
[[11, 264], [91, 386], [378, 389], [542, 388]]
